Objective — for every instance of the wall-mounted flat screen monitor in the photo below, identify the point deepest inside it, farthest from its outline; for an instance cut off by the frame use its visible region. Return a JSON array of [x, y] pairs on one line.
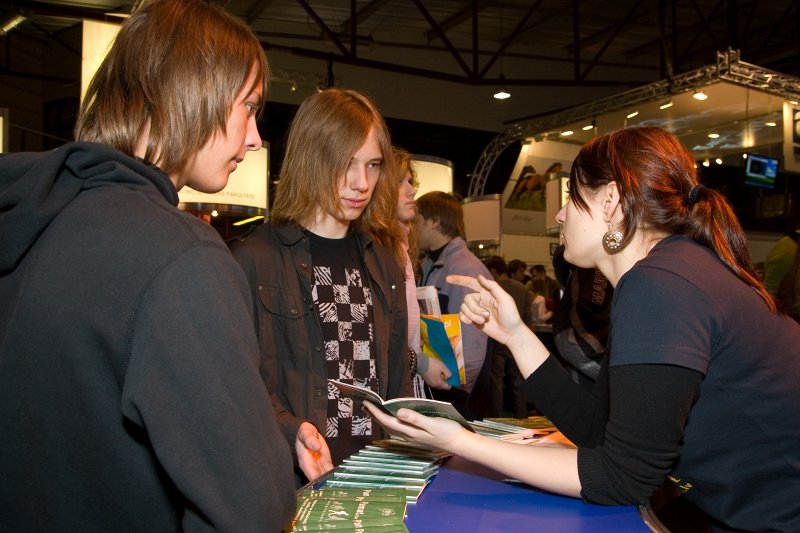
[[760, 171]]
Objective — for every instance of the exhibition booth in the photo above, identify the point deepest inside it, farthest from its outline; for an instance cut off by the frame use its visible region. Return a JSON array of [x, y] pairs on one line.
[[739, 120]]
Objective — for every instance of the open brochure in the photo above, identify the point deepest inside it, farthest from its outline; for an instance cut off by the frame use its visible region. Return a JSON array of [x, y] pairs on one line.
[[423, 406], [441, 338]]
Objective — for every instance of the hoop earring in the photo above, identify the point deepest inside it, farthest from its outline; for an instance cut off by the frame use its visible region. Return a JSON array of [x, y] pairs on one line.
[[612, 240]]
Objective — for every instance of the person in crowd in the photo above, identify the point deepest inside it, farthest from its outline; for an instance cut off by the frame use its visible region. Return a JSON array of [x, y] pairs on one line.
[[329, 295], [779, 261], [428, 370], [130, 396], [580, 322], [539, 313], [789, 290], [543, 284], [694, 391], [440, 228], [503, 365], [518, 270]]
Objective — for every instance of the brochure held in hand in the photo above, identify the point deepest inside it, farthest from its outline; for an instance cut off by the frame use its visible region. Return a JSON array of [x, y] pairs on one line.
[[423, 406], [441, 335]]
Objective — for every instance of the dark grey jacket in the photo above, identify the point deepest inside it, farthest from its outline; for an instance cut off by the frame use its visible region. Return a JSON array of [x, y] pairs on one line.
[[130, 398], [277, 263]]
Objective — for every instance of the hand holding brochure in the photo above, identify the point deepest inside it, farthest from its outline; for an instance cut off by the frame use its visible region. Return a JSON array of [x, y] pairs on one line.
[[441, 338], [423, 406]]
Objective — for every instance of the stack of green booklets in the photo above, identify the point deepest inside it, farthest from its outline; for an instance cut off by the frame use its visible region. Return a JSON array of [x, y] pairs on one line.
[[388, 464], [350, 510], [498, 427]]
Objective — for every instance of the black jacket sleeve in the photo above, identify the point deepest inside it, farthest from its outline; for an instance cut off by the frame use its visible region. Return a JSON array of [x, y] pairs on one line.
[[627, 439]]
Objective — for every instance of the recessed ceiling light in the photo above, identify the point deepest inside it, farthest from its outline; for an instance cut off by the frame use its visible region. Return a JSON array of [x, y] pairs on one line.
[[502, 94], [699, 95], [666, 105], [718, 161], [633, 114], [567, 133], [713, 135], [771, 124]]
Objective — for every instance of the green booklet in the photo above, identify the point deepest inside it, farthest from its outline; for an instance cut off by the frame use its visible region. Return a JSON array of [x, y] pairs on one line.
[[423, 406], [360, 465], [532, 422], [314, 514], [385, 476], [357, 494], [412, 492]]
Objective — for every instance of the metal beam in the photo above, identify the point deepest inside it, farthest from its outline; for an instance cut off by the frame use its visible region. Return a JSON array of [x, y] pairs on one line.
[[728, 68], [611, 39], [703, 27], [510, 38], [443, 38], [438, 75], [460, 17], [576, 38], [324, 27], [363, 14], [255, 11]]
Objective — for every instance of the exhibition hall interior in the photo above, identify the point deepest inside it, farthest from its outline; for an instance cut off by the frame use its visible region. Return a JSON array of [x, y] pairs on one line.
[[493, 99], [434, 67]]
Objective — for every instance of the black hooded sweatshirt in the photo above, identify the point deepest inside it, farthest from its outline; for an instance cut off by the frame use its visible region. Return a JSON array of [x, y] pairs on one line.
[[130, 394]]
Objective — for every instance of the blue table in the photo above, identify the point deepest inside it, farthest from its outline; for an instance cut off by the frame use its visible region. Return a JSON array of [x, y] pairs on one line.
[[466, 497]]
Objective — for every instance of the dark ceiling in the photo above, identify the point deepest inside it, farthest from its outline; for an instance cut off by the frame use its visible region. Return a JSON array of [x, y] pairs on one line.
[[536, 43]]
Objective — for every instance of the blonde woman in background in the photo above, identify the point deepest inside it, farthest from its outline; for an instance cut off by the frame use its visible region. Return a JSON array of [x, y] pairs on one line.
[[430, 369]]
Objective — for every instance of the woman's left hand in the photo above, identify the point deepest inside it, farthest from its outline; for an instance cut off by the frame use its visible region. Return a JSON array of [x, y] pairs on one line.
[[434, 432]]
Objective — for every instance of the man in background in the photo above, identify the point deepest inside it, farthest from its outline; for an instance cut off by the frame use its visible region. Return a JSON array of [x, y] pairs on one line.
[[545, 285], [440, 228], [503, 364]]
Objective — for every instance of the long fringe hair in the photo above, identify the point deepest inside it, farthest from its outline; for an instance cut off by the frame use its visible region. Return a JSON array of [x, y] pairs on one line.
[[405, 165], [170, 79], [327, 130]]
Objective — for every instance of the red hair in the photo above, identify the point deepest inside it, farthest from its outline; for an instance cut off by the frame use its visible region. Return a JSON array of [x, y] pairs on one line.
[[654, 174]]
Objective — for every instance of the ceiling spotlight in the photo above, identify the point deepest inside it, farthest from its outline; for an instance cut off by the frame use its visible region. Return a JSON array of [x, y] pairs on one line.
[[718, 161], [771, 123], [567, 133], [502, 94], [699, 95], [744, 156], [666, 105], [706, 163], [293, 87], [587, 127], [214, 213], [11, 22], [713, 135], [631, 115]]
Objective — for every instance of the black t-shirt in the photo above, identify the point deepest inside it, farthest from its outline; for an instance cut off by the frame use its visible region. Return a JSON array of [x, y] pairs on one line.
[[342, 294], [701, 384]]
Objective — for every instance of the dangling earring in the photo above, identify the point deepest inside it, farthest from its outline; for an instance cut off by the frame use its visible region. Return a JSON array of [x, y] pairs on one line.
[[612, 240]]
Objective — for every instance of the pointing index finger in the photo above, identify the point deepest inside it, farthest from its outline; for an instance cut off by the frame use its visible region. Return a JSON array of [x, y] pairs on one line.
[[464, 281]]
